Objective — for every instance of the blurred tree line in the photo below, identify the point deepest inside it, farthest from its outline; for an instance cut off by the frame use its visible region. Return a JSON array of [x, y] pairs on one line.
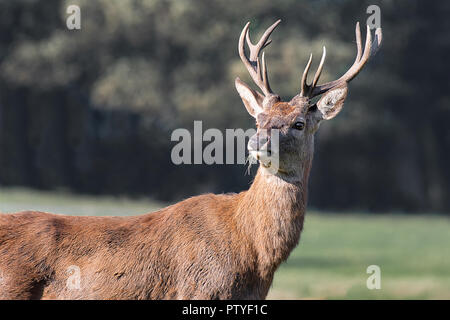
[[93, 110]]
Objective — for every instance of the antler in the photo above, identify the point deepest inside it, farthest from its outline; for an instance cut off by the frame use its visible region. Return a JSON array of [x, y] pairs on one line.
[[370, 49], [253, 63]]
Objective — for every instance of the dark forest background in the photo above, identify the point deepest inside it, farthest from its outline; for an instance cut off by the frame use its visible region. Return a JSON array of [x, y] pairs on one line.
[[92, 110]]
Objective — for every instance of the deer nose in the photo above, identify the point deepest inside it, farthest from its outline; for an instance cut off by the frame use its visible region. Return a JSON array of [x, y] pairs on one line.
[[259, 142]]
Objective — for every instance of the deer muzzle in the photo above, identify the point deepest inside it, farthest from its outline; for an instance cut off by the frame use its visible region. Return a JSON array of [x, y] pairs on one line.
[[259, 146]]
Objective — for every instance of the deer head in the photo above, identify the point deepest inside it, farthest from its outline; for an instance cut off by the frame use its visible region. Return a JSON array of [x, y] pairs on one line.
[[296, 121]]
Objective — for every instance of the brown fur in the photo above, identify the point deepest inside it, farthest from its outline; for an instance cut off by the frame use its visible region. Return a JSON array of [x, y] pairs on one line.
[[206, 247]]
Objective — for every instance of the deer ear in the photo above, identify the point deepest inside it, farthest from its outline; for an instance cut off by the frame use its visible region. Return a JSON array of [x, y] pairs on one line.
[[252, 99], [332, 102]]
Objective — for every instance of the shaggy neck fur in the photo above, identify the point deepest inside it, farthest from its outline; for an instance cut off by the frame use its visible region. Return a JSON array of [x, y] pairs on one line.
[[271, 213]]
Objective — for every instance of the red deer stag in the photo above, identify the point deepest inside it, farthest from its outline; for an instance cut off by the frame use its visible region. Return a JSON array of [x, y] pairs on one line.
[[224, 246]]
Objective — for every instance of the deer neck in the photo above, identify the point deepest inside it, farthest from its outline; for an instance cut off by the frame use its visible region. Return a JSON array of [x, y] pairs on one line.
[[271, 214]]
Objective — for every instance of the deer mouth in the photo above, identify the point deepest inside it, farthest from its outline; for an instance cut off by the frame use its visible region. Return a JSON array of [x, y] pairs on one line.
[[263, 156]]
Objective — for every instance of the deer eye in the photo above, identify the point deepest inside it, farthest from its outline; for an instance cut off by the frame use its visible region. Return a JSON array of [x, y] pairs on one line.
[[299, 125]]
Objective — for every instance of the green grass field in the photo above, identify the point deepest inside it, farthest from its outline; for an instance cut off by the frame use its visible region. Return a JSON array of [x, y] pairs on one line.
[[335, 250]]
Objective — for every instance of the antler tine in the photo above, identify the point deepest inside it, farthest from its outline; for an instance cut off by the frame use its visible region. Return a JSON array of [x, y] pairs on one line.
[[253, 64], [358, 42], [304, 85], [353, 71], [241, 47], [264, 73], [377, 41], [262, 43], [319, 69], [305, 88], [370, 48]]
